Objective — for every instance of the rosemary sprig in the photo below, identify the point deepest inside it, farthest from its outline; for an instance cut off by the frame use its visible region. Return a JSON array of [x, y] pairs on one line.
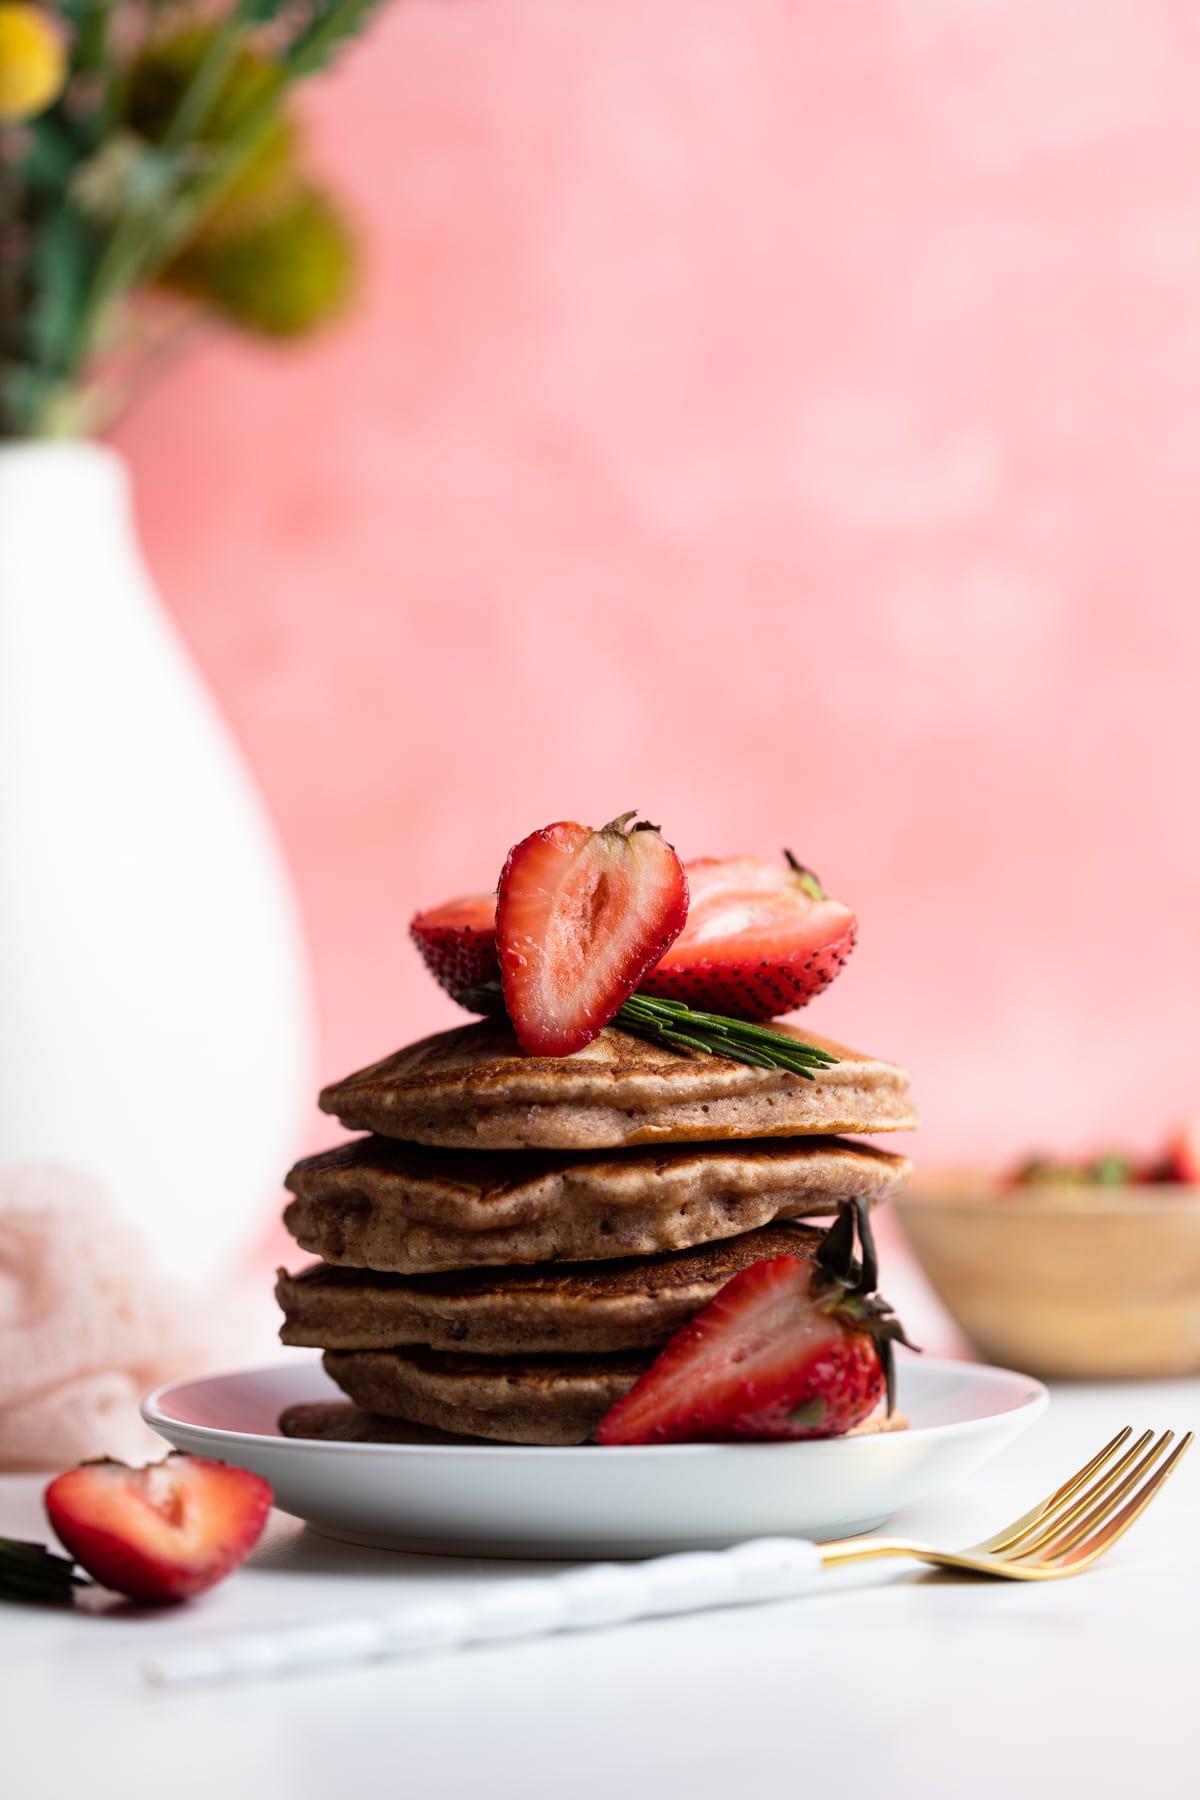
[[31, 1572], [671, 1022]]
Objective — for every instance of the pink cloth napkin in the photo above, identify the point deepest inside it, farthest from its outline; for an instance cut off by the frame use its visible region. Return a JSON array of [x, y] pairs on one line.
[[86, 1325]]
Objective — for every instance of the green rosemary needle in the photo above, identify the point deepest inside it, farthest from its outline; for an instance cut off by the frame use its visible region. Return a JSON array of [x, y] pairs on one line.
[[671, 1022], [31, 1572]]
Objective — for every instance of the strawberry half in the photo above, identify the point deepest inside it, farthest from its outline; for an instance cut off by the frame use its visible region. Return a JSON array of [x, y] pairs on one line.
[[164, 1532], [761, 939], [790, 1348], [458, 942], [581, 916]]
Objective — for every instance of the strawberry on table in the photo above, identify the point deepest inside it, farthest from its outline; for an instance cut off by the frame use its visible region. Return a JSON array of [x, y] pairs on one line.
[[581, 916], [164, 1532], [762, 938], [458, 942], [790, 1348]]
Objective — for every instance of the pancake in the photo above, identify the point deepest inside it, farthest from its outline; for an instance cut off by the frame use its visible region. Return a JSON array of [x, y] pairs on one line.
[[576, 1308], [336, 1421], [518, 1400], [404, 1209], [475, 1088], [515, 1400]]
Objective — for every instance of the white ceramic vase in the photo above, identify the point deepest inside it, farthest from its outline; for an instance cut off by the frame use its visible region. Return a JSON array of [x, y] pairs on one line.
[[154, 1002]]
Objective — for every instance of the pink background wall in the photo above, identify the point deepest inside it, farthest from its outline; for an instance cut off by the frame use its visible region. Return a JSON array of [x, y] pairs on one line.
[[785, 419]]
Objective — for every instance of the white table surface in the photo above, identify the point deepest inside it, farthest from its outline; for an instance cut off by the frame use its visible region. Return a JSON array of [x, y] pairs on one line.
[[884, 1682], [887, 1682]]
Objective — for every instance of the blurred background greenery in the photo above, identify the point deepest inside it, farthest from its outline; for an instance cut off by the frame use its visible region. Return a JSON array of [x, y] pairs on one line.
[[154, 173]]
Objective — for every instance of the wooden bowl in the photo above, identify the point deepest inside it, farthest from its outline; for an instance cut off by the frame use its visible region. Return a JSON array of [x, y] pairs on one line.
[[1103, 1283]]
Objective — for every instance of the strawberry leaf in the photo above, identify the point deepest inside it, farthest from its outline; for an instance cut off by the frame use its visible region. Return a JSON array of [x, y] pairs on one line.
[[849, 1286]]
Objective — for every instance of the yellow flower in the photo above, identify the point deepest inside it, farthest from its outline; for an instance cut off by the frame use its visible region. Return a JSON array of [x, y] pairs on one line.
[[33, 63]]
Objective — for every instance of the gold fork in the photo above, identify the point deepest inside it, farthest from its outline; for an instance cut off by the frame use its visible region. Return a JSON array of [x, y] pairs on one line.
[[1065, 1533]]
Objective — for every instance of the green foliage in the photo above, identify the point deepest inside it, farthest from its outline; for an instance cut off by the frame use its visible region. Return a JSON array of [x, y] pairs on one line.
[[280, 279], [330, 24], [170, 159], [265, 177], [59, 263], [50, 158], [164, 71]]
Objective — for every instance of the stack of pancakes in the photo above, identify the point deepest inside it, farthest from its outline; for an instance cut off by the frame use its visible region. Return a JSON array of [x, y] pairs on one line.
[[519, 1235]]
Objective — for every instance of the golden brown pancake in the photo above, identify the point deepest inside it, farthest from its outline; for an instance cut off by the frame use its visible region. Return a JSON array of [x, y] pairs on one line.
[[518, 1400], [401, 1208], [529, 1400], [576, 1308], [474, 1088], [336, 1421]]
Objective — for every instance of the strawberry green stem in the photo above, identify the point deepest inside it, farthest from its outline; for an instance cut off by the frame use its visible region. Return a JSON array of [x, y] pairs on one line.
[[846, 1286], [808, 880]]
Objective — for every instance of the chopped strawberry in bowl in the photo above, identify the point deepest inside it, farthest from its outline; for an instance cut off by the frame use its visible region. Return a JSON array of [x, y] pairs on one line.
[[1183, 1155], [1072, 1267], [1177, 1163]]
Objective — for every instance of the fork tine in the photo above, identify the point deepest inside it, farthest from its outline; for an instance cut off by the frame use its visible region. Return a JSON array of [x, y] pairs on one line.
[[1096, 1503], [1010, 1534], [1052, 1546], [1102, 1540]]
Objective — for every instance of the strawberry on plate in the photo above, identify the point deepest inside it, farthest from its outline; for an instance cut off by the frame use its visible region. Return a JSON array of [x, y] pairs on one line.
[[762, 938], [458, 942], [581, 916], [164, 1532], [790, 1348]]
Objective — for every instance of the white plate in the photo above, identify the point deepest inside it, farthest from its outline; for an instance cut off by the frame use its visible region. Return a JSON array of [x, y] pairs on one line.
[[460, 1496]]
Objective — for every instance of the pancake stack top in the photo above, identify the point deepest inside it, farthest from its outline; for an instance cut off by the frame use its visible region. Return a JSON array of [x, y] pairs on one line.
[[508, 1249]]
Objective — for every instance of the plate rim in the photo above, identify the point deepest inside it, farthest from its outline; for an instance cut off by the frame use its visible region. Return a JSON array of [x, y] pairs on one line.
[[1030, 1407]]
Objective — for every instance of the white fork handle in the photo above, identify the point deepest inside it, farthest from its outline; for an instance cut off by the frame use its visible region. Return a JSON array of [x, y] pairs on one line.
[[584, 1599]]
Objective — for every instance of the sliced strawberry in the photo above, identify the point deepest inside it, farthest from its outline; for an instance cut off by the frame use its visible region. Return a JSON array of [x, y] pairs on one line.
[[1183, 1154], [788, 1349], [458, 942], [761, 1360], [761, 939], [164, 1532], [580, 917]]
